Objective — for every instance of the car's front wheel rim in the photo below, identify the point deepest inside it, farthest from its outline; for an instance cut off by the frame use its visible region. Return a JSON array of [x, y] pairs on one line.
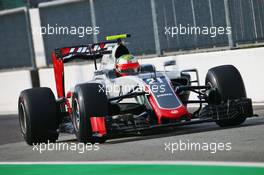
[[22, 118], [76, 114]]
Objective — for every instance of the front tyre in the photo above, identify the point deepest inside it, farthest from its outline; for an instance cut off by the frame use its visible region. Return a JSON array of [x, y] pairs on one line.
[[88, 101], [37, 116], [228, 85]]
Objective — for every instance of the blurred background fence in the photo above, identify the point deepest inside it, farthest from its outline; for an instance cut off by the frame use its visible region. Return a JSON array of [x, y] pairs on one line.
[[15, 39], [145, 20]]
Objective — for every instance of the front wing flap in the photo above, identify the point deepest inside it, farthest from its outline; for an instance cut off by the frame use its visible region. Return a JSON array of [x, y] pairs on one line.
[[210, 113]]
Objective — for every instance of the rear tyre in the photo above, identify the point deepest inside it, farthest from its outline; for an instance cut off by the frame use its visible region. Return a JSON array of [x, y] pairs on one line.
[[37, 116], [228, 85], [88, 101]]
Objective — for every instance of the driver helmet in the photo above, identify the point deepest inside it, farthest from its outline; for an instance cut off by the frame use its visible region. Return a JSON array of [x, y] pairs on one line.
[[127, 65]]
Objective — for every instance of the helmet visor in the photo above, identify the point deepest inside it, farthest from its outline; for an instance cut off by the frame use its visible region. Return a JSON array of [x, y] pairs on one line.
[[131, 71]]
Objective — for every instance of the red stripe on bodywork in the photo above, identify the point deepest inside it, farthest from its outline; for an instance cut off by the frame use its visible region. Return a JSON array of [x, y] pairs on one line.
[[59, 77], [175, 113], [69, 94], [65, 51], [98, 125]]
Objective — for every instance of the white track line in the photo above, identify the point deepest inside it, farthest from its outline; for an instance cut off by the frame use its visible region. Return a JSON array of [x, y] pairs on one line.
[[198, 163]]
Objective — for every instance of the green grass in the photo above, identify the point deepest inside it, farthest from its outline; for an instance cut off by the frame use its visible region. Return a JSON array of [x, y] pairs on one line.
[[128, 170]]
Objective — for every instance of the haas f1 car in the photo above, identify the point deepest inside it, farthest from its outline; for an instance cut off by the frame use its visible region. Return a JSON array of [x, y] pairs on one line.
[[111, 104]]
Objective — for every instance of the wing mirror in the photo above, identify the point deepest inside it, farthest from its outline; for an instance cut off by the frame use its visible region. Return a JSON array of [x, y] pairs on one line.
[[169, 63], [144, 68]]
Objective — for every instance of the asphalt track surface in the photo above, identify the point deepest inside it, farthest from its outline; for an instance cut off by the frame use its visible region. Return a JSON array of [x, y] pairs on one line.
[[247, 144]]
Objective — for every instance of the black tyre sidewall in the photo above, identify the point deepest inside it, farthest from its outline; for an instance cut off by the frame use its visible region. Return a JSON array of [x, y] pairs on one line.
[[41, 115], [227, 81], [92, 103], [229, 85]]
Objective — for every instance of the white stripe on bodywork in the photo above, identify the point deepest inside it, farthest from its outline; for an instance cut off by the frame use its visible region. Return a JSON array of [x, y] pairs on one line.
[[79, 49], [198, 163], [72, 50], [84, 49]]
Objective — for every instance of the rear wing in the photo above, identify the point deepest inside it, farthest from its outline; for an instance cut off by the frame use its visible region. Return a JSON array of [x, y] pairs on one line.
[[84, 52], [90, 51], [87, 52]]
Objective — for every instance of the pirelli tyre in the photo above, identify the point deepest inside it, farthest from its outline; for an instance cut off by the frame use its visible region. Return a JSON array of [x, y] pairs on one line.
[[37, 116], [228, 85], [88, 100]]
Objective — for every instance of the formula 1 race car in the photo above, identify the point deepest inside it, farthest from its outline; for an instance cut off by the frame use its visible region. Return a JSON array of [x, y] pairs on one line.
[[111, 104]]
